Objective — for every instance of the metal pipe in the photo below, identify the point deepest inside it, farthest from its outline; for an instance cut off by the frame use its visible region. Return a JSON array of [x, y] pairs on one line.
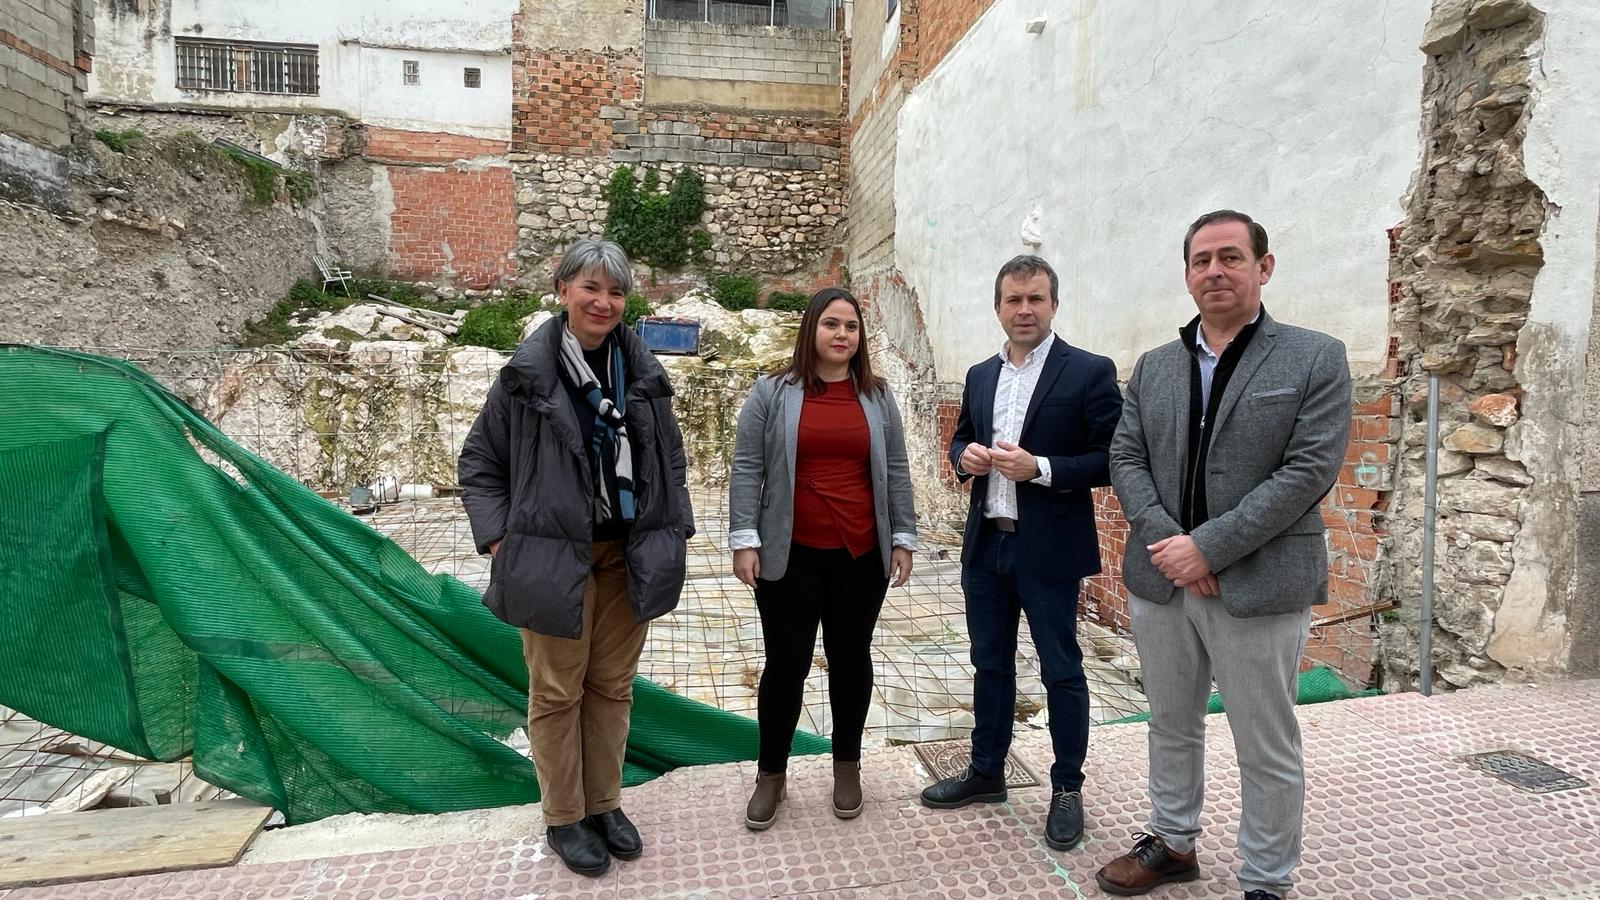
[[1429, 514], [772, 12]]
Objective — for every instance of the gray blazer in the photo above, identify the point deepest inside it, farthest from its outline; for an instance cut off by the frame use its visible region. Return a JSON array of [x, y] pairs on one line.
[[761, 490], [1278, 443]]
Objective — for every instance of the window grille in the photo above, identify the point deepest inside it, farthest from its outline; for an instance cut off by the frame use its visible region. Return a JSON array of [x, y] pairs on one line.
[[411, 72], [247, 66]]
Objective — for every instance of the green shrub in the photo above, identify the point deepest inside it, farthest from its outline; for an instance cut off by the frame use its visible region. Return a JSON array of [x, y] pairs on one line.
[[635, 308], [120, 141], [498, 323], [735, 291], [788, 301], [262, 176], [651, 225]]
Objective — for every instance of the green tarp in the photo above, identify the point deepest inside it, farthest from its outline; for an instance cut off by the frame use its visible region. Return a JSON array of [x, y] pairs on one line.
[[169, 604]]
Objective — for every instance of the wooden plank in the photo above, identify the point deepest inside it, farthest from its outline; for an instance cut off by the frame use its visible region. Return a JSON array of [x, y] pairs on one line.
[[115, 843]]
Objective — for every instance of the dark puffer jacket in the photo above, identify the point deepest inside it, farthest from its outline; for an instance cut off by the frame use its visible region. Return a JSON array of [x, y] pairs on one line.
[[526, 478]]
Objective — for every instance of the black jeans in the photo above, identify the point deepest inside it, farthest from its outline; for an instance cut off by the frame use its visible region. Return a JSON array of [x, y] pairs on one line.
[[844, 596]]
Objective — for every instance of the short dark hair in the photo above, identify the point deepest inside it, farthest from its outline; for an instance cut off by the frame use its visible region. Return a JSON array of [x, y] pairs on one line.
[[1027, 265], [1258, 235]]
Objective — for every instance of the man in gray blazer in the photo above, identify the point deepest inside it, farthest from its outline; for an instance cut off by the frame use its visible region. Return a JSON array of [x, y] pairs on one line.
[[1230, 436]]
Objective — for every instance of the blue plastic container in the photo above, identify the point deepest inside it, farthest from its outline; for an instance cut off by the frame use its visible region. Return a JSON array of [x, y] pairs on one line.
[[665, 334]]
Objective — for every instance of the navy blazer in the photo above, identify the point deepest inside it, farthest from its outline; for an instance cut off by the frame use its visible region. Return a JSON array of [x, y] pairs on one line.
[[1070, 421]]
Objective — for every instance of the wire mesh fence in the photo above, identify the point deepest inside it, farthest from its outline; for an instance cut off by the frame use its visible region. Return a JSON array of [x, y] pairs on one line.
[[390, 419]]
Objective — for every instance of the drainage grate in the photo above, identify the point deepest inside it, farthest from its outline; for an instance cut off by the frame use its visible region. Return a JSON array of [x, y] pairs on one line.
[[1525, 773], [947, 759]]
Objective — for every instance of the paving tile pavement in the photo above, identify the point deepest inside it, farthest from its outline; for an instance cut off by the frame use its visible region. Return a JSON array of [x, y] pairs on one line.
[[1392, 813]]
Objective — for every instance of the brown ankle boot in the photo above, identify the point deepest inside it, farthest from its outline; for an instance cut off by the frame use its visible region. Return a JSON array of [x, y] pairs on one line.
[[762, 810], [847, 801]]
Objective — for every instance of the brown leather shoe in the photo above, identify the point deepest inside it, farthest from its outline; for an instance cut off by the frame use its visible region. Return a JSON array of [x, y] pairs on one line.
[[762, 810], [1149, 864], [847, 800]]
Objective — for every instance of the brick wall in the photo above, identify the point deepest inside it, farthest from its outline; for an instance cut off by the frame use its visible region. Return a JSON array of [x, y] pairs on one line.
[[456, 223], [557, 97], [428, 147], [941, 24], [45, 52], [741, 53]]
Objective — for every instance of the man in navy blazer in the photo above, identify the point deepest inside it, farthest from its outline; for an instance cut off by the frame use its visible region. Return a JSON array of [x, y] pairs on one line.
[[1034, 437]]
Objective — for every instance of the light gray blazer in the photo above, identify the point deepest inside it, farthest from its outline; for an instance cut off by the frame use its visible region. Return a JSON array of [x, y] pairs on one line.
[[761, 489], [1278, 443]]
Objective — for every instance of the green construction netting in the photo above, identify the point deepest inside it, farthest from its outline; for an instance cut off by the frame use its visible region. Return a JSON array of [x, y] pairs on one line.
[[170, 606], [1318, 684]]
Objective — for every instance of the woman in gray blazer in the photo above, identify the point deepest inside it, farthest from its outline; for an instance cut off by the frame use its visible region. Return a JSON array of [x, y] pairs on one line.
[[820, 520]]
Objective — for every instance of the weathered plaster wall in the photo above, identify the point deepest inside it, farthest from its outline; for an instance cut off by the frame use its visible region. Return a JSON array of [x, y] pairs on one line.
[[361, 46], [1534, 628], [1121, 122]]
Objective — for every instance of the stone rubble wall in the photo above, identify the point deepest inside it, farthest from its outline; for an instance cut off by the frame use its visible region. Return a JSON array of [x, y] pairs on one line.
[[1468, 254]]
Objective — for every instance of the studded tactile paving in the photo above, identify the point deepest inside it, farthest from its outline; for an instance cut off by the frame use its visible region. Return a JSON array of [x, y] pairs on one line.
[[1392, 813]]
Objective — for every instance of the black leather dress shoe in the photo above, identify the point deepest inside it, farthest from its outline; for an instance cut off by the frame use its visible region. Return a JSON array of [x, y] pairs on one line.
[[1064, 827], [968, 787], [579, 847], [619, 835]]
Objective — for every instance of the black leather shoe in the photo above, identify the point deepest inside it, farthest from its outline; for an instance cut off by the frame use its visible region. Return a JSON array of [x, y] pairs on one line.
[[579, 847], [1064, 827], [968, 787], [619, 835], [1261, 895]]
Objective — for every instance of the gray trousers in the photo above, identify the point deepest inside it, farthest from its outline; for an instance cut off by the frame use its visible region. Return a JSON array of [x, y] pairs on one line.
[[1185, 644]]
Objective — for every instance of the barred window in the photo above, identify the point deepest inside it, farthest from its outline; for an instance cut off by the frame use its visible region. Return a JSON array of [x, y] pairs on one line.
[[472, 77], [410, 71], [247, 66]]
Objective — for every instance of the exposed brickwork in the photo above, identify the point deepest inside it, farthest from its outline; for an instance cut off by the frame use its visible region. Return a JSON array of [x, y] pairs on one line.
[[453, 223], [557, 99], [428, 147], [940, 24], [55, 62]]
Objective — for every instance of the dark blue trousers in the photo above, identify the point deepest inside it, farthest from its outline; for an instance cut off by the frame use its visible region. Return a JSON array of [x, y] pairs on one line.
[[999, 585]]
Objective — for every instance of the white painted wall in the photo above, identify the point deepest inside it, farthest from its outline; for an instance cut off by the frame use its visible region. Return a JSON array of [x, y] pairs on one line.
[[1563, 144], [1121, 122], [135, 59]]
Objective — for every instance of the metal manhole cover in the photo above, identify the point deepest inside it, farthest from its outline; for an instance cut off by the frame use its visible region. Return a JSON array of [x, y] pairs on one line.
[[1525, 773], [948, 759]]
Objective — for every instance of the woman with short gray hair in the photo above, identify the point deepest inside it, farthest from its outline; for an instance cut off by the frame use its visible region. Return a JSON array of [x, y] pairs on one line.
[[573, 478]]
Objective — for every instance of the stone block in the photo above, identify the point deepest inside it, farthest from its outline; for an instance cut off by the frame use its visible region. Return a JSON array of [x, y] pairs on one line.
[[680, 156], [627, 156], [1490, 14], [654, 154], [611, 112], [758, 161], [747, 146], [1474, 438], [719, 145], [1447, 27], [775, 148], [730, 159], [707, 158], [659, 127], [626, 126], [786, 163], [808, 163], [636, 141], [1499, 410]]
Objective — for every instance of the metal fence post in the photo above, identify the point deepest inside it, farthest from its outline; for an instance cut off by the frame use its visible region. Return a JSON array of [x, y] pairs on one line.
[[1429, 515]]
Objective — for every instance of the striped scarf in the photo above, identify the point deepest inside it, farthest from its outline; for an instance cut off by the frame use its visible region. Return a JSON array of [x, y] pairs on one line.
[[608, 426]]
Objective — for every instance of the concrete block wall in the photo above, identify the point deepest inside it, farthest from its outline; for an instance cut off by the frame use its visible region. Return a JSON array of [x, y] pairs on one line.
[[742, 53], [45, 48]]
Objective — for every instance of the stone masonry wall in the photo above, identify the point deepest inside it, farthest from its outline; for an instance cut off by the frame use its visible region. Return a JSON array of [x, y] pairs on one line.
[[775, 182], [1469, 251]]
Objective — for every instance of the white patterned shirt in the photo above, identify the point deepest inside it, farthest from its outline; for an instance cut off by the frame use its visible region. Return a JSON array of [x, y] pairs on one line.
[[1012, 394]]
